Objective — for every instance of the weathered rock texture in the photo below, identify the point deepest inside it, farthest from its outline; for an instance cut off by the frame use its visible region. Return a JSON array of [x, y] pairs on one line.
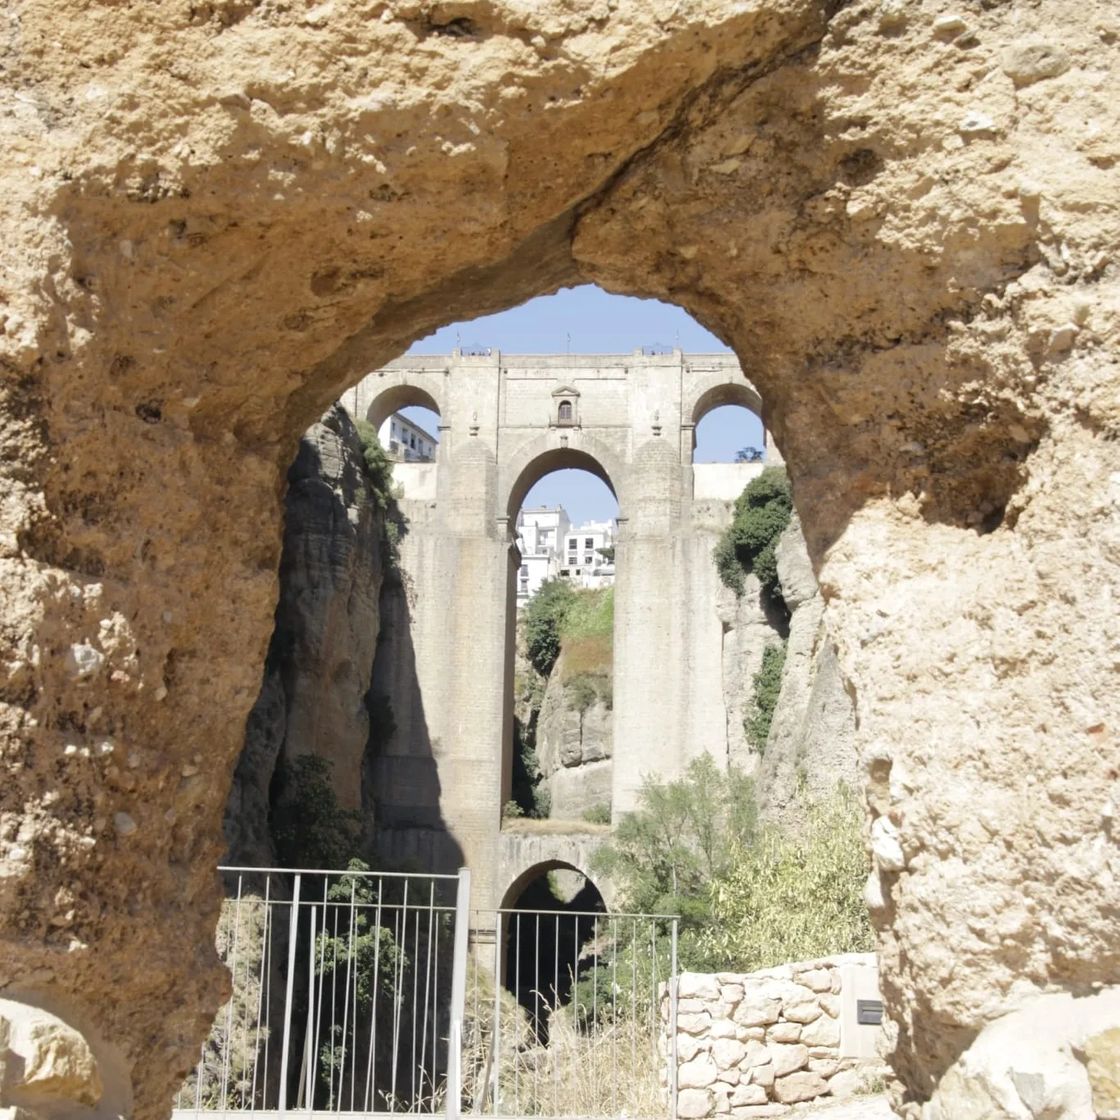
[[750, 1043], [812, 745], [313, 698], [218, 215], [575, 741]]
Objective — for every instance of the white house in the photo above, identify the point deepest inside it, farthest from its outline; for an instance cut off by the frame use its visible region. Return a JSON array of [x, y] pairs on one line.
[[406, 441], [583, 560], [551, 546], [540, 533]]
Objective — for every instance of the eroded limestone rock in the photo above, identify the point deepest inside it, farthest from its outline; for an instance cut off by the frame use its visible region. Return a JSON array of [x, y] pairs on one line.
[[218, 215]]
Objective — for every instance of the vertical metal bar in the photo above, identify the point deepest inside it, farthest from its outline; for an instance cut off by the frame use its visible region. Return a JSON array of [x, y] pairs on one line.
[[415, 1004], [633, 994], [614, 1015], [553, 1004], [265, 1015], [398, 994], [517, 995], [234, 952], [306, 1075], [319, 974], [289, 980], [427, 985], [496, 1032], [673, 989], [372, 1074], [346, 994], [535, 997]]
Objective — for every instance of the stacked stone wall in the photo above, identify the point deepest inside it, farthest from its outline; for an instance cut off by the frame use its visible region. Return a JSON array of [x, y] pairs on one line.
[[753, 1044]]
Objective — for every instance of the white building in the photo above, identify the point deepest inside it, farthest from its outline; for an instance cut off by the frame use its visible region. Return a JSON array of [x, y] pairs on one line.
[[583, 560], [540, 534], [406, 441], [551, 546]]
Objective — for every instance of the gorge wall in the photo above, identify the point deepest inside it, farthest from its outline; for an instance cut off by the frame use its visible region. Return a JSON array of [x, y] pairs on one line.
[[314, 695], [901, 217]]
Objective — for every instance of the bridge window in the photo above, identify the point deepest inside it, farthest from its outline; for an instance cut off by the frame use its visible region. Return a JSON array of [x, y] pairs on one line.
[[564, 412]]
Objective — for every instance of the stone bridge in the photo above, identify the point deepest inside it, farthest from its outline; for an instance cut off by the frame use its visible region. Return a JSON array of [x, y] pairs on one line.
[[523, 855], [447, 660]]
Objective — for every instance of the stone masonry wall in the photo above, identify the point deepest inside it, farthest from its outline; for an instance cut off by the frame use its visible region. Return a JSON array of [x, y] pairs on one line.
[[753, 1044]]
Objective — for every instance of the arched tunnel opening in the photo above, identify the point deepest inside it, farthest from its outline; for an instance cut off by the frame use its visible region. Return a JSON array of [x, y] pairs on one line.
[[552, 921]]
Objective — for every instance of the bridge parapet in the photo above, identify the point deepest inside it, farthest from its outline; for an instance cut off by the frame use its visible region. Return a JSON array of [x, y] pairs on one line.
[[532, 848]]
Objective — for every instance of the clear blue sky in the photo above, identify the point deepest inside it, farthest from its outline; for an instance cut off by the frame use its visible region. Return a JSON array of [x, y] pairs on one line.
[[587, 320]]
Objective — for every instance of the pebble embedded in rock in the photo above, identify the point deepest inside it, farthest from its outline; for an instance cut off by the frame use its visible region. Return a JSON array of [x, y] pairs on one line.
[[1026, 63]]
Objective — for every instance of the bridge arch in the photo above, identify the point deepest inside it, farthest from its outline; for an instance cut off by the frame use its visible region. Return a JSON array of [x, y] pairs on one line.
[[573, 450], [716, 390], [402, 390], [537, 871]]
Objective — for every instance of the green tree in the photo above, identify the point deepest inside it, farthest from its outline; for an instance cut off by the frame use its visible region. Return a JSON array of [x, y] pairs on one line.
[[378, 465], [762, 513], [544, 619], [792, 894], [663, 855], [766, 686], [308, 826]]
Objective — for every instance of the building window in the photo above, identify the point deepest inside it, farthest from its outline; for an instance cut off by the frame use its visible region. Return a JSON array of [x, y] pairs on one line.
[[589, 542], [564, 413], [524, 571], [589, 559]]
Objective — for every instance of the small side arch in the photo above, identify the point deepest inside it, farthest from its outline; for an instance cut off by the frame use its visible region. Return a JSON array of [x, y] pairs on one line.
[[402, 392], [717, 393], [531, 874]]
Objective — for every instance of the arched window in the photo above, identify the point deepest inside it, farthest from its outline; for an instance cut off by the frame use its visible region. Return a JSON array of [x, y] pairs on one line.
[[564, 413]]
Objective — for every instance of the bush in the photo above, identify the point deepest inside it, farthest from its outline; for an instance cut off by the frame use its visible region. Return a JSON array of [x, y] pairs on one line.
[[378, 465], [762, 513], [308, 826], [544, 617], [766, 686], [598, 814], [792, 896], [663, 855]]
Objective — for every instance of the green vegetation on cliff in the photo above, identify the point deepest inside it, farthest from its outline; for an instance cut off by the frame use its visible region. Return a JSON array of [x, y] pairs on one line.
[[750, 895], [766, 685], [747, 546]]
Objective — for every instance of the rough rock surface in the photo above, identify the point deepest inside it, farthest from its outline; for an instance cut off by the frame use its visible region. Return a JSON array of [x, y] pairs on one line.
[[219, 214], [812, 735], [574, 745], [320, 659]]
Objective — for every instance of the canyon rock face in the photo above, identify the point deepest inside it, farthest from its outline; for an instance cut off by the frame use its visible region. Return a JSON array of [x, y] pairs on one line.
[[320, 659], [575, 742], [812, 744], [902, 218]]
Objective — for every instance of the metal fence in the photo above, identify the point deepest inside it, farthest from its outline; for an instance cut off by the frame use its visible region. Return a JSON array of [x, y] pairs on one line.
[[371, 992], [341, 994], [562, 1016]]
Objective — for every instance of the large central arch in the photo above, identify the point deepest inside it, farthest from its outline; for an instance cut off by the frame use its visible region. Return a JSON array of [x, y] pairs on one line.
[[214, 230]]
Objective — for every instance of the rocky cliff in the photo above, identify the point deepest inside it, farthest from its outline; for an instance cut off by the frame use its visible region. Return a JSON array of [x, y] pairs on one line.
[[575, 741], [317, 673], [811, 745]]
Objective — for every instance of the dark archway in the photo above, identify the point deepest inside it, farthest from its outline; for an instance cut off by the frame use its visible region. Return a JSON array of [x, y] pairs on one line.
[[550, 919]]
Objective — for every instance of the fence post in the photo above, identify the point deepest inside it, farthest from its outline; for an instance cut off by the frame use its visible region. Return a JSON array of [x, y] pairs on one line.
[[458, 995], [293, 930], [674, 989]]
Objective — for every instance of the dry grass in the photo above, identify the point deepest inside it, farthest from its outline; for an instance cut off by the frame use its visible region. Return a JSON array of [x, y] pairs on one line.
[[554, 827]]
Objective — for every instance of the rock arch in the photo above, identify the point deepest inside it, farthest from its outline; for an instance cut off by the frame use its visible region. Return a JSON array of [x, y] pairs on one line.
[[914, 269]]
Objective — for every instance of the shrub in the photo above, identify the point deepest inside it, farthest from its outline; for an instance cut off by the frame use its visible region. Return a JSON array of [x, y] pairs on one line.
[[512, 811], [762, 513], [766, 686], [663, 855], [544, 617], [308, 826], [792, 895], [378, 465], [598, 814]]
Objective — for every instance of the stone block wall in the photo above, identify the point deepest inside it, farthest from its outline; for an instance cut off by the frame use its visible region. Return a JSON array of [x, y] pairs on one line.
[[753, 1044]]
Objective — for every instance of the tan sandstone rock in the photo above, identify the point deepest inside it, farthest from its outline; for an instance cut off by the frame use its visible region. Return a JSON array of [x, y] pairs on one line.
[[217, 216]]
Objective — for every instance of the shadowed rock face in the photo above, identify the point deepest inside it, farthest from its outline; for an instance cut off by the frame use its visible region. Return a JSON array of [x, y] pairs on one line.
[[220, 214], [320, 659]]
